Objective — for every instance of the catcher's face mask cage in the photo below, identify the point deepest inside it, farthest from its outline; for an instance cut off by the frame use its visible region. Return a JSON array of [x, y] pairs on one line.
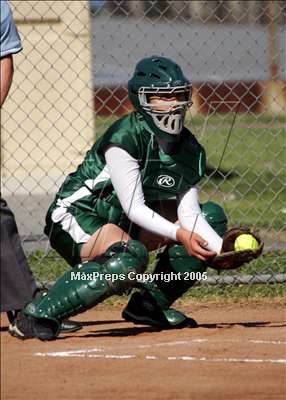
[[162, 94], [169, 106]]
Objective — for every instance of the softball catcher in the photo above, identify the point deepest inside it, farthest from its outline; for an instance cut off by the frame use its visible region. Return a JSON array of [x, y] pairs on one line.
[[135, 191]]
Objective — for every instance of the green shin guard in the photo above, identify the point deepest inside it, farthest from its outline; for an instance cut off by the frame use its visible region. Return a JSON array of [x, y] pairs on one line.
[[90, 283], [176, 272], [151, 305]]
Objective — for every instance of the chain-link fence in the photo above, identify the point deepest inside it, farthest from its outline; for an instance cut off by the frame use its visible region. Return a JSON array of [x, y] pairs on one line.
[[70, 84]]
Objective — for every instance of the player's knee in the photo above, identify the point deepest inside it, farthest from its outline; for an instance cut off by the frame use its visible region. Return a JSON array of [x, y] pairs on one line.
[[119, 265], [215, 216]]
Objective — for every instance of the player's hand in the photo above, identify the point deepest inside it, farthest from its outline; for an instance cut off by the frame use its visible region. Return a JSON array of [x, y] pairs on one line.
[[194, 244]]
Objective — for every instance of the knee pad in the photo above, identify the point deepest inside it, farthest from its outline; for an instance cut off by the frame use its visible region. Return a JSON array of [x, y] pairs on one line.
[[121, 260], [214, 214], [131, 254]]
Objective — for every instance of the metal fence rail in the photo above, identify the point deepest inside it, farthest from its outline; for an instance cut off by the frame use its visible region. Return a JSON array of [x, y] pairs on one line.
[[70, 83]]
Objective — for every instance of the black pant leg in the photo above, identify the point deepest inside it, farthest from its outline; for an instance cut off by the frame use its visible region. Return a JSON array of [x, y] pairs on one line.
[[17, 282]]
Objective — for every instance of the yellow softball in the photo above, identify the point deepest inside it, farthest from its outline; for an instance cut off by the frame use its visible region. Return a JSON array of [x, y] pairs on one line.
[[245, 242]]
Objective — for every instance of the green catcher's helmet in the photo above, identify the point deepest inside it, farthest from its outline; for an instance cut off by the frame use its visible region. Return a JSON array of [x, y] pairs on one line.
[[215, 216], [161, 77]]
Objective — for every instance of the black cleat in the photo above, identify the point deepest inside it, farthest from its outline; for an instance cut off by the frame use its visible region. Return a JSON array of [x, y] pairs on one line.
[[12, 315], [142, 309], [27, 327], [144, 312], [68, 326]]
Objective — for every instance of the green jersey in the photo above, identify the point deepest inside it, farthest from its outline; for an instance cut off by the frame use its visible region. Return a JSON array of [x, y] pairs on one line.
[[163, 175], [88, 192]]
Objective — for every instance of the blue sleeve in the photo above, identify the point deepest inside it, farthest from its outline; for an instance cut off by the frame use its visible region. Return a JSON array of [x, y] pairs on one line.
[[10, 42]]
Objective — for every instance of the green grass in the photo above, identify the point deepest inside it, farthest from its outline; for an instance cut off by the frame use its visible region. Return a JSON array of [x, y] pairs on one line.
[[49, 267], [270, 262], [236, 292], [256, 154], [273, 262]]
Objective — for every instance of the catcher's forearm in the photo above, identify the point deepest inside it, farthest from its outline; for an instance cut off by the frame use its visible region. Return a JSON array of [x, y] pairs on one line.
[[191, 218]]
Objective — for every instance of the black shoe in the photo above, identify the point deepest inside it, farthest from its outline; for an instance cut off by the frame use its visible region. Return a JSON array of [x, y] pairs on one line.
[[144, 312], [70, 326], [27, 327], [142, 309], [12, 315]]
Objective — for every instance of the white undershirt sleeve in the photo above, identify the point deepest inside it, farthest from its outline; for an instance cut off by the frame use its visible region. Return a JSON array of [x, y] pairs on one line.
[[191, 218], [126, 179]]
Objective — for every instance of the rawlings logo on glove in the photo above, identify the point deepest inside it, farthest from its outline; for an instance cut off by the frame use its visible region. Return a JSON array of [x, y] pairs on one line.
[[231, 259]]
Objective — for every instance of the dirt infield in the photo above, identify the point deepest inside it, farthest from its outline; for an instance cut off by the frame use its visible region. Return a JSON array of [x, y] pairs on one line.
[[237, 352]]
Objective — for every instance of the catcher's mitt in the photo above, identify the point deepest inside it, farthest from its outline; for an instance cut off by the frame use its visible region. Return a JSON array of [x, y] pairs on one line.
[[231, 259]]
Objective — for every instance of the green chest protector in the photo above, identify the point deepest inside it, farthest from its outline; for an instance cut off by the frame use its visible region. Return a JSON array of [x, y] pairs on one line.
[[163, 175], [166, 175], [165, 172]]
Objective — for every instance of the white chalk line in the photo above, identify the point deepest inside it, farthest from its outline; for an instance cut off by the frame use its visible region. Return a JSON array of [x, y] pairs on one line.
[[173, 343], [266, 341], [89, 353], [170, 358], [232, 360]]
